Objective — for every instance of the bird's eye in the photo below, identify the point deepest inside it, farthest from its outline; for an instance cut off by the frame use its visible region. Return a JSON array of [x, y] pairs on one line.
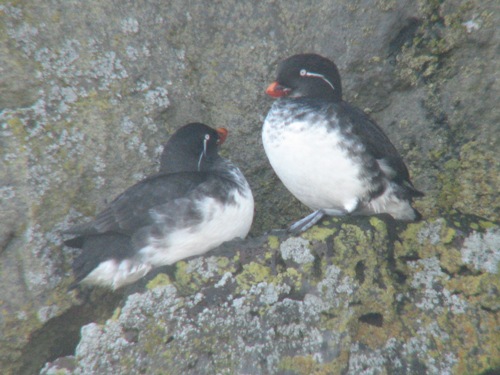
[[207, 137], [303, 72]]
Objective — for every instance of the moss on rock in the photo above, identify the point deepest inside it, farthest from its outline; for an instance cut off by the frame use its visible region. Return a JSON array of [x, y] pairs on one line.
[[355, 306]]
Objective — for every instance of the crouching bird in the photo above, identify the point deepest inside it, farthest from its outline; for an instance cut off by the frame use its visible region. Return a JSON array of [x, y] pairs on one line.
[[196, 202], [329, 154]]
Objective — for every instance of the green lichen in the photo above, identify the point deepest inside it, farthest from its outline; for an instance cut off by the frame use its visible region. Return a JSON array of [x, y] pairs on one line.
[[307, 365], [225, 264], [116, 313], [439, 33], [253, 273], [479, 171], [468, 172], [378, 224], [450, 258], [386, 5], [318, 233], [348, 239], [156, 337], [427, 239], [292, 277], [353, 241], [486, 224], [409, 244], [17, 128], [448, 235], [426, 334], [159, 280], [273, 242], [185, 281]]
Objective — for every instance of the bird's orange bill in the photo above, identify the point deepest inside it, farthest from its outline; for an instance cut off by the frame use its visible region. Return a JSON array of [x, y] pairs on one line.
[[222, 135], [276, 90]]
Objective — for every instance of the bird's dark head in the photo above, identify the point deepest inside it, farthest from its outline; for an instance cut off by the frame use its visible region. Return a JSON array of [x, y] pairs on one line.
[[307, 75], [193, 147]]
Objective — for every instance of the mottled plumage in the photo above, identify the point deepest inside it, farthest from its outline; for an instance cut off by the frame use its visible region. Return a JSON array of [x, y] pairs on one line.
[[197, 201], [331, 155]]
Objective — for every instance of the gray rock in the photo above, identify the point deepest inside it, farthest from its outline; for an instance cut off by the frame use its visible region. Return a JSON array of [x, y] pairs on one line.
[[346, 312], [89, 91]]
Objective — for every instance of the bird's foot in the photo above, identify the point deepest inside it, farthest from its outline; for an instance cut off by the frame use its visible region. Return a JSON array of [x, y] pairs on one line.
[[306, 223]]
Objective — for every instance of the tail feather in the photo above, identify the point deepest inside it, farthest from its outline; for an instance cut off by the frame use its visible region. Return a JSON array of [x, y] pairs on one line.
[[97, 249], [76, 242]]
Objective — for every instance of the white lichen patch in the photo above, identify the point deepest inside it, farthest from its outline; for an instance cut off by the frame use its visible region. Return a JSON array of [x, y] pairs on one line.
[[269, 293], [41, 268], [405, 356], [140, 308], [130, 25], [127, 125], [64, 134], [205, 267], [423, 343], [21, 315], [150, 125], [471, 25], [142, 85], [23, 33], [364, 361], [238, 303], [156, 99], [431, 232], [335, 287], [132, 53], [296, 249], [430, 295], [227, 277], [7, 193], [482, 250], [107, 68], [46, 313], [97, 339]]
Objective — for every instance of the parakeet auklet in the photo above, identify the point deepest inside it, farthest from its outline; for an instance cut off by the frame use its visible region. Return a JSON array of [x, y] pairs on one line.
[[329, 154], [196, 202]]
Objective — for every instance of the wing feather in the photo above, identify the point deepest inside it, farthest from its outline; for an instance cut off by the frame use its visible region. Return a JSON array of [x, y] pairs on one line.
[[379, 146], [131, 210]]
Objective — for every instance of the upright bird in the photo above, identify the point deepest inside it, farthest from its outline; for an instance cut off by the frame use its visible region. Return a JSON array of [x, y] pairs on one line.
[[329, 154], [196, 202]]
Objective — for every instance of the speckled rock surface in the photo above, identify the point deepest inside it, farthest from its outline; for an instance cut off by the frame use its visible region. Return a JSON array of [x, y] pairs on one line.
[[332, 301], [89, 91]]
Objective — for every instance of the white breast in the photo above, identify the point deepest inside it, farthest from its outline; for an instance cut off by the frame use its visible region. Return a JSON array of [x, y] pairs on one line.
[[312, 161], [220, 223]]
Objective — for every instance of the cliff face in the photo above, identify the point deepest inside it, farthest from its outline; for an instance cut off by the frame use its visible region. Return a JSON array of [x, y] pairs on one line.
[[90, 91]]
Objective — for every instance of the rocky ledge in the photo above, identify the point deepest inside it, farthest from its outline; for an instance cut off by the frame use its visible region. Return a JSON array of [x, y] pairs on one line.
[[355, 296]]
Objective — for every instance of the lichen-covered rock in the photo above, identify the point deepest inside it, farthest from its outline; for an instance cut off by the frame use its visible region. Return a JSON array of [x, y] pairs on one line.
[[89, 91], [358, 296]]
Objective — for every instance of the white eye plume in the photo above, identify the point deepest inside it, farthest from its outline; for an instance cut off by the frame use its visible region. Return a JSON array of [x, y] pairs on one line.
[[305, 73], [204, 152]]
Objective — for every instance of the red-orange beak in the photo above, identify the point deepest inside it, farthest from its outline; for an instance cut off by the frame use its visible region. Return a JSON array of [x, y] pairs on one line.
[[276, 90], [222, 135]]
